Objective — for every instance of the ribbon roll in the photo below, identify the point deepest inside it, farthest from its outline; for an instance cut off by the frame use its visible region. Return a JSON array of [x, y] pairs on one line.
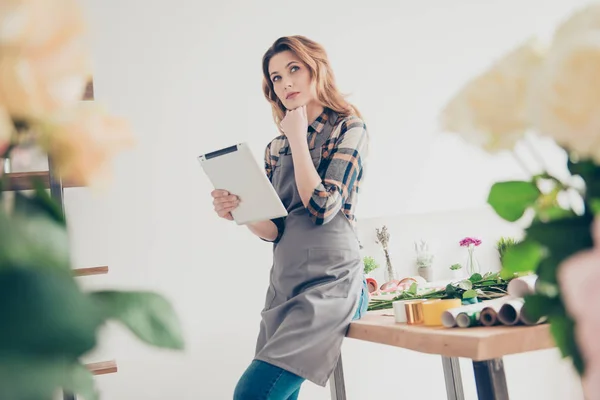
[[414, 312], [433, 310]]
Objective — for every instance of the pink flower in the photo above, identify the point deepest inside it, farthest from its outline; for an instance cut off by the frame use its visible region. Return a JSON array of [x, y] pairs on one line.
[[470, 241]]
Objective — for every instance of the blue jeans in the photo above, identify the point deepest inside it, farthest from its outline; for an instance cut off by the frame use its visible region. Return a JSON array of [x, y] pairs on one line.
[[263, 381]]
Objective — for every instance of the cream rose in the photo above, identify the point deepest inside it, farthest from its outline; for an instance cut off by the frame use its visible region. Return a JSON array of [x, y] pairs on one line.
[[566, 105], [585, 20], [491, 110], [44, 63], [82, 142]]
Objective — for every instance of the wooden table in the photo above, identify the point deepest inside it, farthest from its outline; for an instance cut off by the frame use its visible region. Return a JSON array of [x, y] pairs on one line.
[[485, 346]]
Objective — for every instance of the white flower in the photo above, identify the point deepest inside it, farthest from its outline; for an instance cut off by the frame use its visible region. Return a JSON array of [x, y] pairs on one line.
[[491, 110], [83, 140], [585, 20], [566, 105]]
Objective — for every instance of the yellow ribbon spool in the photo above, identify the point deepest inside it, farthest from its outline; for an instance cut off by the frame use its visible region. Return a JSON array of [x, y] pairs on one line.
[[433, 310]]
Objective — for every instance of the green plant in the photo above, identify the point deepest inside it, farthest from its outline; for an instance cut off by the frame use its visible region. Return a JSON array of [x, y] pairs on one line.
[[370, 264], [503, 244], [554, 102], [424, 257], [48, 321], [482, 287], [455, 267]]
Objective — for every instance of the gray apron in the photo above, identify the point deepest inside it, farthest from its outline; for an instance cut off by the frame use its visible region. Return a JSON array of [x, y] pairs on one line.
[[315, 283]]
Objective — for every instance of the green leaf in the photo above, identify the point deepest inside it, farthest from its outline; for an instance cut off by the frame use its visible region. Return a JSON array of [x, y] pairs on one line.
[[560, 239], [40, 203], [31, 378], [79, 380], [538, 306], [595, 206], [476, 278], [465, 285], [522, 257], [552, 213], [45, 314], [590, 173], [511, 199], [584, 168], [469, 294], [413, 288], [563, 331], [148, 315], [34, 240], [451, 291]]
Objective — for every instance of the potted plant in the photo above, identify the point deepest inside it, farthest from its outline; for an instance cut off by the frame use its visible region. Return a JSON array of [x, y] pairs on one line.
[[370, 265], [503, 244], [457, 271], [424, 260]]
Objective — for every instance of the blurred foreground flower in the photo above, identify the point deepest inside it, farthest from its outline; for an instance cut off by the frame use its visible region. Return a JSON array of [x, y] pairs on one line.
[[566, 105], [83, 140], [44, 63], [490, 111], [49, 321], [557, 95], [583, 21]]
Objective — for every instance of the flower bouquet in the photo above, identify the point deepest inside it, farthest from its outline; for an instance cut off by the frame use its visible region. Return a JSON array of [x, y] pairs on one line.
[[472, 263], [548, 91]]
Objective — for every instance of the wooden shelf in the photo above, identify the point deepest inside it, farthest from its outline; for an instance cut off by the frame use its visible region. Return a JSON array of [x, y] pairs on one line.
[[91, 271], [22, 180], [103, 367]]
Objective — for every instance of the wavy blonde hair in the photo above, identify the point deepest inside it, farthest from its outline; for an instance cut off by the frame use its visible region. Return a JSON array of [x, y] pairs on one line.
[[313, 55]]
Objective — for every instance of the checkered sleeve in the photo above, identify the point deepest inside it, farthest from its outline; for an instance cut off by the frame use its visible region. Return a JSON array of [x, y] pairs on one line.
[[270, 161], [342, 172]]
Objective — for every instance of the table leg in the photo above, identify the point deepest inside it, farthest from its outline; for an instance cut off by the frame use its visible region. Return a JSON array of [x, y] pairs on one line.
[[454, 387], [490, 379], [336, 382]]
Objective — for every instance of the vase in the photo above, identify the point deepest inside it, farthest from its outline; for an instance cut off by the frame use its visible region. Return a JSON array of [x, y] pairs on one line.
[[389, 274], [426, 273], [458, 273], [472, 266]]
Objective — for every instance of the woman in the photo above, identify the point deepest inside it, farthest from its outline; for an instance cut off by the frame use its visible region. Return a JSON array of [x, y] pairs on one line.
[[316, 166]]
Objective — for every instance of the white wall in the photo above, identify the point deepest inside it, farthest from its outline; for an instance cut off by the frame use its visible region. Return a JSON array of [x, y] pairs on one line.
[[187, 75]]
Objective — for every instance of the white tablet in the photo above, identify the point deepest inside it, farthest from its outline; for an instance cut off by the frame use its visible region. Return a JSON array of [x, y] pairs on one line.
[[236, 170]]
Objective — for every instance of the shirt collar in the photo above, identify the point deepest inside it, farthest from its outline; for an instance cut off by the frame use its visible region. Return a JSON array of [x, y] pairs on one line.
[[319, 123]]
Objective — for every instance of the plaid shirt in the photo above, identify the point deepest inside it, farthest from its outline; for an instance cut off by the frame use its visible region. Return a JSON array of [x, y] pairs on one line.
[[341, 168]]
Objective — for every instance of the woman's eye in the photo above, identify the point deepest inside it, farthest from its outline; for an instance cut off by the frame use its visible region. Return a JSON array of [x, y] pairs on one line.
[[275, 78], [294, 68]]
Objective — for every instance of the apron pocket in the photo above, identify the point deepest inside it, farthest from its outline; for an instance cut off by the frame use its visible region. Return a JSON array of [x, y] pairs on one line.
[[332, 269]]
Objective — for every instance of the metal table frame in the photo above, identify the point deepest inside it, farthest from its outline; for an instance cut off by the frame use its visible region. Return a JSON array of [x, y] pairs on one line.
[[489, 379]]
